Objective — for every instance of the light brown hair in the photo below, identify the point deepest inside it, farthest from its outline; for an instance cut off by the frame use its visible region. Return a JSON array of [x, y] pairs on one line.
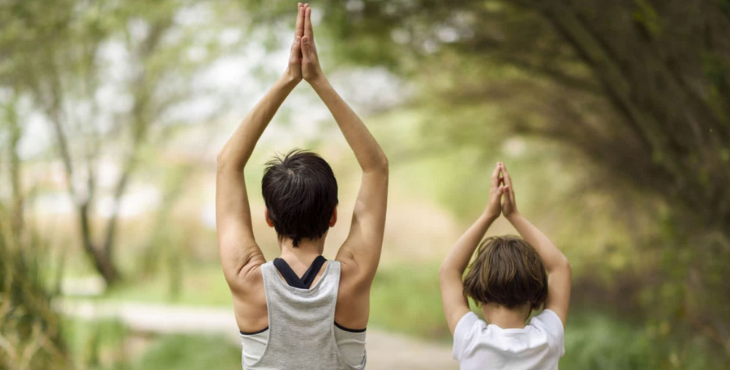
[[507, 271]]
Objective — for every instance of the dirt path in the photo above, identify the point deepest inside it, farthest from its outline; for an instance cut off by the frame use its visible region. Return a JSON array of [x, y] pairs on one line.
[[385, 350]]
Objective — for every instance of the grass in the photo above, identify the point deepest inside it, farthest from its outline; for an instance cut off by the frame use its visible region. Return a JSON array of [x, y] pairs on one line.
[[108, 345], [185, 352], [94, 344]]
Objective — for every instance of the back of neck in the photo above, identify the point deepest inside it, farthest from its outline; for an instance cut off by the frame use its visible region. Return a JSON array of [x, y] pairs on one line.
[[506, 318], [301, 256]]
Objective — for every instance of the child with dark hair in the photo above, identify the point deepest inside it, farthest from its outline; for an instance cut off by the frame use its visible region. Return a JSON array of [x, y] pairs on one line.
[[509, 278], [301, 311]]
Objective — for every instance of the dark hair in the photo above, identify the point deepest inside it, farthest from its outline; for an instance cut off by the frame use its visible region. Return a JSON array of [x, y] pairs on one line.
[[507, 271], [300, 191]]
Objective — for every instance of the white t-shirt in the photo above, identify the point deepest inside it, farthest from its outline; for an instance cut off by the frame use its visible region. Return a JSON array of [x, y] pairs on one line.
[[537, 346]]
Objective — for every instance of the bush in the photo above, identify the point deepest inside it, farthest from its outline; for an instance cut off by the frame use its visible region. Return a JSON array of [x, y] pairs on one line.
[[30, 332]]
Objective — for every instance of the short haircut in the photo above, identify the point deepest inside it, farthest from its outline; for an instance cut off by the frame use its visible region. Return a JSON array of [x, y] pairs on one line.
[[300, 191], [507, 271]]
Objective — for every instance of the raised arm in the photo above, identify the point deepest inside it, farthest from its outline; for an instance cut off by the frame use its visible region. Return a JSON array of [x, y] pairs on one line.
[[557, 265], [362, 248], [238, 249], [452, 269]]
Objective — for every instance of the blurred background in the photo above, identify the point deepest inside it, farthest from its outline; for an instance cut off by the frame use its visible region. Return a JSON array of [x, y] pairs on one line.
[[613, 117]]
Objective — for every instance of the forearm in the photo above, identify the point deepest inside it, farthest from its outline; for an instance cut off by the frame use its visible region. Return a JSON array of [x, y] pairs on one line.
[[367, 150], [239, 147], [552, 256], [458, 259]]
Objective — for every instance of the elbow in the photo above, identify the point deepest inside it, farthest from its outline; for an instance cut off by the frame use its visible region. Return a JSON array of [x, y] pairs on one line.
[[384, 164], [443, 273], [448, 275], [380, 165], [445, 270], [223, 161], [563, 265], [220, 159]]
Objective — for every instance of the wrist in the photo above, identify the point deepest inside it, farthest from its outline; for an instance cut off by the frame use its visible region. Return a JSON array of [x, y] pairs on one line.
[[319, 82], [489, 217], [512, 216], [287, 79]]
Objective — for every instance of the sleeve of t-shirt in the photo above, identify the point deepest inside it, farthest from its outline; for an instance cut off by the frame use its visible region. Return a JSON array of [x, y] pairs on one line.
[[464, 334], [551, 323]]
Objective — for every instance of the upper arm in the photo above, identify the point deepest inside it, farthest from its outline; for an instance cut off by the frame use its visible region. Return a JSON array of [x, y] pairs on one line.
[[452, 297], [361, 250], [558, 297], [238, 249]]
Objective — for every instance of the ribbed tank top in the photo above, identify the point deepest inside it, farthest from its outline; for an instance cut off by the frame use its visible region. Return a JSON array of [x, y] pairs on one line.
[[301, 323]]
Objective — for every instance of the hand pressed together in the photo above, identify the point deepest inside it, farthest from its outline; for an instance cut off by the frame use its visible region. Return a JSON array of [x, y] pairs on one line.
[[294, 69], [501, 194], [509, 206], [303, 58], [494, 206]]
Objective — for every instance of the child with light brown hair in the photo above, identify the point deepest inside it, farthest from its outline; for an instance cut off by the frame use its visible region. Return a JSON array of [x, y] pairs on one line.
[[509, 278]]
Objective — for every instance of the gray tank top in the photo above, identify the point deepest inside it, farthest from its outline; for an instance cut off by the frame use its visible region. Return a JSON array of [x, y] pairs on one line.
[[301, 324]]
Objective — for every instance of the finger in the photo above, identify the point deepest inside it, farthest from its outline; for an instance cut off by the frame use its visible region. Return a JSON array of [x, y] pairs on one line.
[[296, 49], [507, 198], [306, 49], [500, 196], [495, 176], [299, 28], [308, 32], [510, 191], [507, 178]]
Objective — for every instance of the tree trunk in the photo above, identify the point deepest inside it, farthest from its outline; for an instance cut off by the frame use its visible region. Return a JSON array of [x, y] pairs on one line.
[[99, 256]]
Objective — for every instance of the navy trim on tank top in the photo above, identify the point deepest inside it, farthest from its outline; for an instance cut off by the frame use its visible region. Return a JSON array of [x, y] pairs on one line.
[[350, 330], [259, 332], [305, 282], [293, 280]]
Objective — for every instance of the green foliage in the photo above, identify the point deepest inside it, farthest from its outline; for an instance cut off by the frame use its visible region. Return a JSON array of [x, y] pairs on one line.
[[30, 331], [594, 340], [405, 298], [647, 16], [94, 344], [106, 79], [109, 345], [199, 286], [185, 352], [638, 88], [725, 6]]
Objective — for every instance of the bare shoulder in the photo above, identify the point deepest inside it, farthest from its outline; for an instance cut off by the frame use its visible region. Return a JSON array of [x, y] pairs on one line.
[[352, 274], [249, 280]]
